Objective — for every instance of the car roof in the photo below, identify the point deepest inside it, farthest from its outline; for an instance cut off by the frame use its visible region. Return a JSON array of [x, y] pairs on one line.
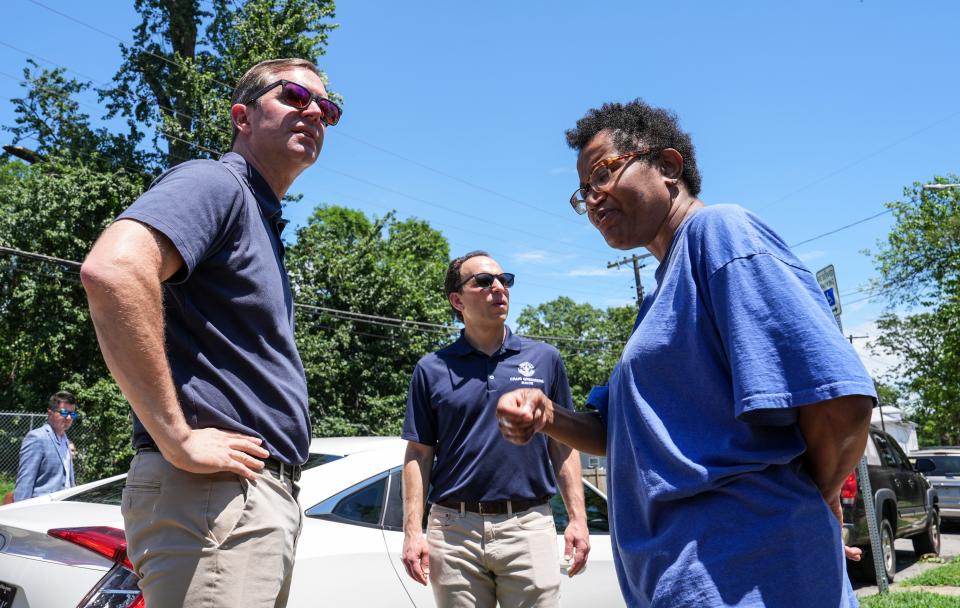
[[947, 450], [345, 446]]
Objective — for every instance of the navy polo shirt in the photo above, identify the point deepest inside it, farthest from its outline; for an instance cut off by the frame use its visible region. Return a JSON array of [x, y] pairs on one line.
[[229, 309], [452, 407]]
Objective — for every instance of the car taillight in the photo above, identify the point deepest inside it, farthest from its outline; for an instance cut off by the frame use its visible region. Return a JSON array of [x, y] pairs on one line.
[[848, 491], [118, 589]]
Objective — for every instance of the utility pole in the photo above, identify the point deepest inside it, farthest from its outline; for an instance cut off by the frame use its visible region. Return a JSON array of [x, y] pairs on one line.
[[635, 259]]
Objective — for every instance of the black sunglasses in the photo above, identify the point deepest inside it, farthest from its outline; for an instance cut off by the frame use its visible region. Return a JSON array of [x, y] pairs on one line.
[[485, 279], [299, 97]]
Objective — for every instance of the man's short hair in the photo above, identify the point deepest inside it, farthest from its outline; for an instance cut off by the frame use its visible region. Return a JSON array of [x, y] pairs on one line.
[[451, 283], [260, 76], [59, 398], [636, 125]]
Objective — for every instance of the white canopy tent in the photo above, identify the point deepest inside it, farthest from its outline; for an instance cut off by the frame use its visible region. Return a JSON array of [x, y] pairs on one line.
[[904, 431]]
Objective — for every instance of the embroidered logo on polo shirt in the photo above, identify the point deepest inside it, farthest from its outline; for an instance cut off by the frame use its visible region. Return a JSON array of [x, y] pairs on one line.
[[526, 369]]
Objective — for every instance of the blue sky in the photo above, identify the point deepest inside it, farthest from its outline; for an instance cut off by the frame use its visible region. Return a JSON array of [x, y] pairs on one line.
[[812, 114]]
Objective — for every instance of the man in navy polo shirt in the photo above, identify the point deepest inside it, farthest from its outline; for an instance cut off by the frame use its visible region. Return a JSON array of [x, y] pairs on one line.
[[491, 536], [194, 314]]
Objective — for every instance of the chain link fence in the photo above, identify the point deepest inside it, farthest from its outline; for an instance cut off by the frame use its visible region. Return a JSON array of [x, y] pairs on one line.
[[14, 426]]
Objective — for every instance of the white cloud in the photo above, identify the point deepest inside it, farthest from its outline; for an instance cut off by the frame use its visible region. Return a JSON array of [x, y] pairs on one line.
[[877, 364], [535, 256], [811, 255], [592, 272]]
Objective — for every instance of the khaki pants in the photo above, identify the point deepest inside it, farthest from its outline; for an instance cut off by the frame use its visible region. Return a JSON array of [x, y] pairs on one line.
[[209, 540], [480, 560]]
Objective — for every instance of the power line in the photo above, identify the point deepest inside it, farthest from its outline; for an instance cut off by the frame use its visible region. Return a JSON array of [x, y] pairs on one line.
[[347, 315], [39, 256], [862, 159], [565, 217], [820, 236], [439, 206]]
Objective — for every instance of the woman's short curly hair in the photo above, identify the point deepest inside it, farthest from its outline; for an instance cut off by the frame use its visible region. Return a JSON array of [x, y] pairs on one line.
[[634, 125]]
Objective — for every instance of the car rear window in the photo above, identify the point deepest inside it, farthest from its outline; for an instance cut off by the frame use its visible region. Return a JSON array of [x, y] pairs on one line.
[[946, 465], [112, 493]]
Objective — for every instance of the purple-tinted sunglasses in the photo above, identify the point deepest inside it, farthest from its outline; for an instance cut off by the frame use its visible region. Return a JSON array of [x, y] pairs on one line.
[[299, 97]]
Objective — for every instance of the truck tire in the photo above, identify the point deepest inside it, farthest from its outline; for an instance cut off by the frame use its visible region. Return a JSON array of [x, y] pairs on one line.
[[929, 540], [864, 569]]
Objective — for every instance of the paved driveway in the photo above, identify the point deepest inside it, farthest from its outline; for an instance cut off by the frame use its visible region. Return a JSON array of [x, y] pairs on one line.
[[907, 565]]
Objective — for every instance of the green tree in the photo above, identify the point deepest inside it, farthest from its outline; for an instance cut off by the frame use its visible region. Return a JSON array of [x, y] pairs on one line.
[[358, 372], [589, 339], [56, 206], [919, 266]]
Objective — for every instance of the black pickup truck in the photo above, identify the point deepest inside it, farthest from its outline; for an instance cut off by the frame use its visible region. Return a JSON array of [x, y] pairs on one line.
[[906, 506]]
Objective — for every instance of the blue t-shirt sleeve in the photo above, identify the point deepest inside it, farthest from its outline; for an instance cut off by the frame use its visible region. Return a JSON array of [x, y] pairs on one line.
[[195, 205], [782, 343], [420, 424], [597, 399]]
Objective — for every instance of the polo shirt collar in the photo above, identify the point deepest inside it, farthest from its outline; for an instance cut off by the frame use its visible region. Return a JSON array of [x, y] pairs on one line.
[[269, 203], [461, 347]]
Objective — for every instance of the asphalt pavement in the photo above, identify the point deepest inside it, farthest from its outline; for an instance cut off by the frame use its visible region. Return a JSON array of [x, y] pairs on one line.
[[907, 564]]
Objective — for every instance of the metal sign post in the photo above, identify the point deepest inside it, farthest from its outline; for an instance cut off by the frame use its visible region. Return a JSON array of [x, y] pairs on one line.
[[827, 278], [863, 480]]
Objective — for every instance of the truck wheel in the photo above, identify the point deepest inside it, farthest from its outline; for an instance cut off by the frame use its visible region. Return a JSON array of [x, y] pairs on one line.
[[865, 570], [929, 540]]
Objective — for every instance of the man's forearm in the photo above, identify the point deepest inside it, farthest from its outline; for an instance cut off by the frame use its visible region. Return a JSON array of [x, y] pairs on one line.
[[566, 466], [836, 435], [416, 473], [127, 312]]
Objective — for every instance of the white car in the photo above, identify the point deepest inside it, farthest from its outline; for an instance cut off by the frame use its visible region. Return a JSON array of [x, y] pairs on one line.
[[68, 548]]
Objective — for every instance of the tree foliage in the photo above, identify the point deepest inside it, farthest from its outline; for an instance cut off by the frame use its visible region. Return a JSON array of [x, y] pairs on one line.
[[919, 267], [590, 339], [358, 372]]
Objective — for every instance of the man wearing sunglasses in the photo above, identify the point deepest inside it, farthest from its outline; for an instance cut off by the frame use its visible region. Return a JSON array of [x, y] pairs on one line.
[[194, 314], [737, 409], [46, 465], [482, 486]]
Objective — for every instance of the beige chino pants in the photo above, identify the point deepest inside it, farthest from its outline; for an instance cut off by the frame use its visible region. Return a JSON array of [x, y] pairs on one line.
[[209, 541], [480, 560]]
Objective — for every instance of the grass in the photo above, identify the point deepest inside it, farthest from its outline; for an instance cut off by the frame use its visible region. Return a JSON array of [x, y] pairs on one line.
[[910, 599], [6, 485], [948, 574]]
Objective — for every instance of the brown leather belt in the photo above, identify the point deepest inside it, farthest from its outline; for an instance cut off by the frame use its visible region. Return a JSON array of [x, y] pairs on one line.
[[271, 464], [493, 507]]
